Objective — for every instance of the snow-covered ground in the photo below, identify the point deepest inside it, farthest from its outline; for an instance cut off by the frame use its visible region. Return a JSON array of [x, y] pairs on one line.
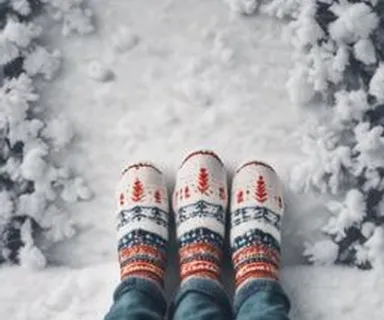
[[69, 294], [158, 79]]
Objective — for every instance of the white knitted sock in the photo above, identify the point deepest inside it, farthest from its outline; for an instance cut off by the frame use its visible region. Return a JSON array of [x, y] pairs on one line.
[[200, 202], [256, 212], [142, 223]]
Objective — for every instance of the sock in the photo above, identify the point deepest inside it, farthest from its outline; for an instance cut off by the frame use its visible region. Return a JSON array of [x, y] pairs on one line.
[[200, 202], [142, 223], [256, 213]]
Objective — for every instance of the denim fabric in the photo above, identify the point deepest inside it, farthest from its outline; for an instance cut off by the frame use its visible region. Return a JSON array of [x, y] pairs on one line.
[[199, 299], [261, 300], [137, 299]]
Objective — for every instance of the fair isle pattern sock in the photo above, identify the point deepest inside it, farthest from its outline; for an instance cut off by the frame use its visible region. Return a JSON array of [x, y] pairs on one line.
[[142, 223], [256, 213], [200, 202]]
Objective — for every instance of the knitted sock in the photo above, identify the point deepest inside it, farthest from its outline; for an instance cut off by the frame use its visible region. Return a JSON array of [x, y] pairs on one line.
[[142, 223], [200, 202], [256, 213]]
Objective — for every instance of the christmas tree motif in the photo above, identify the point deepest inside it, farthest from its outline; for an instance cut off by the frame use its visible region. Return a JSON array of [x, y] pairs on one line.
[[202, 181], [157, 196], [261, 191], [137, 191], [240, 196], [187, 193], [122, 199], [222, 194]]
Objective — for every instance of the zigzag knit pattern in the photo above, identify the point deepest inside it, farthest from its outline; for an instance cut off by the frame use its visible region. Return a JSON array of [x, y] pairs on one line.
[[142, 223], [256, 214], [200, 201]]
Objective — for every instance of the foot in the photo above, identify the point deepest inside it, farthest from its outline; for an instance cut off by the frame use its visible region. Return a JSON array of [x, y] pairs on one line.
[[200, 203], [256, 212], [142, 223]]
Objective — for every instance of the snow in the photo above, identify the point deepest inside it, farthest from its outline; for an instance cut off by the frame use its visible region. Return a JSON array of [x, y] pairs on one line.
[[19, 33], [323, 252], [59, 131], [98, 71], [124, 40], [30, 256], [376, 86], [41, 61], [365, 51], [351, 105], [370, 145], [346, 214], [356, 21], [186, 76], [74, 17], [243, 6], [21, 6], [34, 165], [64, 293]]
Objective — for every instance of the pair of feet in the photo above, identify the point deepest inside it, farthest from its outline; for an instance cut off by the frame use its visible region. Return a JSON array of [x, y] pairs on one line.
[[200, 202]]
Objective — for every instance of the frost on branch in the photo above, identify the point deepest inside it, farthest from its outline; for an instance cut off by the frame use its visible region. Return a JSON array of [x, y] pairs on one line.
[[74, 16], [339, 67], [355, 21], [369, 146], [323, 252], [339, 47], [345, 215], [376, 86], [15, 38], [41, 61], [34, 183]]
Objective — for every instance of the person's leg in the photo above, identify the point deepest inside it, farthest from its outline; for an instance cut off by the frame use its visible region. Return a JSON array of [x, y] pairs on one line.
[[256, 213], [142, 224], [200, 202]]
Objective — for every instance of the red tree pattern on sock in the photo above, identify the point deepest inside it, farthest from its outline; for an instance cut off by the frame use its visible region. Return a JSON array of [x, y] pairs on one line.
[[222, 194], [187, 192], [203, 184], [157, 196], [138, 191], [261, 191], [240, 196]]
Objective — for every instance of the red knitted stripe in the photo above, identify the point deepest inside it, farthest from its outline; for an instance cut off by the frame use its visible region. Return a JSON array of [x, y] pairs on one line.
[[202, 152], [254, 251], [201, 274], [126, 253], [256, 266], [256, 270], [196, 268], [141, 267], [195, 248], [254, 163], [261, 259]]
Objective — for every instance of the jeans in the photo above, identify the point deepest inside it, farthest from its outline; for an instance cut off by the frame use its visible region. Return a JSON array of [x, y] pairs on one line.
[[199, 299]]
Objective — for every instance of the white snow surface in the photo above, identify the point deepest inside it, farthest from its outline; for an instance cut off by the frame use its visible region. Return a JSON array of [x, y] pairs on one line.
[[68, 294], [189, 75]]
